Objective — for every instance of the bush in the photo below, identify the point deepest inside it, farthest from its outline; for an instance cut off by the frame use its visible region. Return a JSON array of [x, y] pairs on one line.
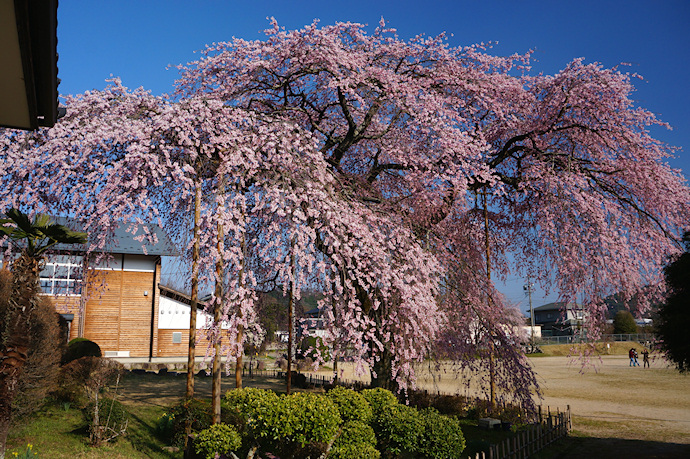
[[111, 422], [481, 409], [351, 405], [445, 404], [281, 363], [81, 380], [197, 411], [441, 436], [305, 363], [250, 411], [283, 424], [355, 433], [164, 426], [398, 429], [81, 347], [217, 439], [378, 399], [358, 451], [450, 404], [39, 375], [312, 418]]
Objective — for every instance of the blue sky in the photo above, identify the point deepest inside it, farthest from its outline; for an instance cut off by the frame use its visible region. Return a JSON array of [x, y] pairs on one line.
[[138, 40]]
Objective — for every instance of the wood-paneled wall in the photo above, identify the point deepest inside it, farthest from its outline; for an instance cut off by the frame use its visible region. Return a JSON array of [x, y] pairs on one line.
[[118, 316], [166, 347]]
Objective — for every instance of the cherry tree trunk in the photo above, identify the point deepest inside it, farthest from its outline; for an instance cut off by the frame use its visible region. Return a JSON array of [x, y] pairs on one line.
[[191, 350], [383, 371]]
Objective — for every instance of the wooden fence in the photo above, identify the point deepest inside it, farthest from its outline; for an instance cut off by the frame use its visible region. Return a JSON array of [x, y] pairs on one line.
[[533, 438]]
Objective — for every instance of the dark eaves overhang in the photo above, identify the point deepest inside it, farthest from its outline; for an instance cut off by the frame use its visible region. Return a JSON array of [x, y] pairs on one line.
[[28, 63]]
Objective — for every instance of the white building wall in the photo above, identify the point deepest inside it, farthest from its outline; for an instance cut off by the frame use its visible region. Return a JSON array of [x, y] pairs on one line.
[[174, 315]]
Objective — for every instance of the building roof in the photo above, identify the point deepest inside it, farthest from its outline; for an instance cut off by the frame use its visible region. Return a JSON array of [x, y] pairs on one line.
[[28, 63], [124, 242], [182, 297], [558, 306]]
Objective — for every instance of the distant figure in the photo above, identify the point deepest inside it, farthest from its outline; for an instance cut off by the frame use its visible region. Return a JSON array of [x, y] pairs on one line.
[[631, 354], [635, 357], [645, 358]]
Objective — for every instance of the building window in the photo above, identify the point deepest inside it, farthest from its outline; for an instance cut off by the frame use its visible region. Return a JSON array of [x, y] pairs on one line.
[[62, 275], [177, 337]]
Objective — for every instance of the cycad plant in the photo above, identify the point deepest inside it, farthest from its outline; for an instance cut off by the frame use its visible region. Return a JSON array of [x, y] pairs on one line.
[[36, 237]]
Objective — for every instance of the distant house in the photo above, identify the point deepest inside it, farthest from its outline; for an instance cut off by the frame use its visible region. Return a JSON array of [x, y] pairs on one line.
[[559, 319], [115, 302], [313, 323]]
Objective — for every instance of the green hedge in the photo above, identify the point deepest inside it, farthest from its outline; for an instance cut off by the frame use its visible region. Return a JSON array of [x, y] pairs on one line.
[[355, 433], [441, 436], [217, 439], [80, 347], [351, 404]]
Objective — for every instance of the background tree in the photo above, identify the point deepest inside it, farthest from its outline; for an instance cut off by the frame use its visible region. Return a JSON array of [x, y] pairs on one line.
[[36, 237], [624, 323], [674, 314]]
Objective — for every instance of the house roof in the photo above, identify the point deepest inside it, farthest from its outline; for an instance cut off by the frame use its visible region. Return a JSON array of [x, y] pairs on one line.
[[123, 239], [183, 297], [558, 306]]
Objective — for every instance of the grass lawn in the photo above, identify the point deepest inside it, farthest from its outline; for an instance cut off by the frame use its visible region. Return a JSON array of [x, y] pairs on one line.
[[56, 432]]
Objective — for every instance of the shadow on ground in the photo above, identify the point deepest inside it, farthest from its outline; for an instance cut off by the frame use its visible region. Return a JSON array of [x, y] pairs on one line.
[[593, 448], [165, 390]]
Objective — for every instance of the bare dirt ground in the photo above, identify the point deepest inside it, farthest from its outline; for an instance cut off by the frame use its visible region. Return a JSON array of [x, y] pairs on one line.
[[617, 410]]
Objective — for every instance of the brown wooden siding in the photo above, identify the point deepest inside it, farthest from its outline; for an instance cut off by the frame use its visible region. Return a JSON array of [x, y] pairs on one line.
[[166, 347], [118, 317]]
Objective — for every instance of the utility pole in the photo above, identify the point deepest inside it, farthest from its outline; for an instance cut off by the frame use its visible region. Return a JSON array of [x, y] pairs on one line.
[[528, 288]]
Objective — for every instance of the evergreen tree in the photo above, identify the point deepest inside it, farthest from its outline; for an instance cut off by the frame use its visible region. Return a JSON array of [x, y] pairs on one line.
[[674, 315]]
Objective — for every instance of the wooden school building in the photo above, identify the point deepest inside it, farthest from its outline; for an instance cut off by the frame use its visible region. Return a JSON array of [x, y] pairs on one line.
[[114, 302]]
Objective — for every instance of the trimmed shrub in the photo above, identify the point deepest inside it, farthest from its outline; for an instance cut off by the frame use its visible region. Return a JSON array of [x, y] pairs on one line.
[[440, 437], [379, 398], [81, 347], [251, 411], [196, 410], [356, 433], [283, 425], [398, 429], [351, 405], [312, 418], [357, 451], [217, 439]]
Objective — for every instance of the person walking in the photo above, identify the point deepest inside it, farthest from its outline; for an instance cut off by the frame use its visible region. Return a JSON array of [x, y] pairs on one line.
[[637, 364], [631, 354], [645, 358]]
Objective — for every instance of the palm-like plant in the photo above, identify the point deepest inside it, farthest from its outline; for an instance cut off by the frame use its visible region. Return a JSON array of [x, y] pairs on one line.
[[37, 237]]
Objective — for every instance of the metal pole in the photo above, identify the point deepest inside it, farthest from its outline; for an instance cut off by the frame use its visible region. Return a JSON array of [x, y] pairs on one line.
[[528, 287]]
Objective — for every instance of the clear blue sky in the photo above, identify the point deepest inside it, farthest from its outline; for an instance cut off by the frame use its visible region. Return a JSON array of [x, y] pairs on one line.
[[138, 40]]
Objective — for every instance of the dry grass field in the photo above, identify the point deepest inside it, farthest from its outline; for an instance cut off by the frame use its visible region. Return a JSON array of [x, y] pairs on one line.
[[617, 410]]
